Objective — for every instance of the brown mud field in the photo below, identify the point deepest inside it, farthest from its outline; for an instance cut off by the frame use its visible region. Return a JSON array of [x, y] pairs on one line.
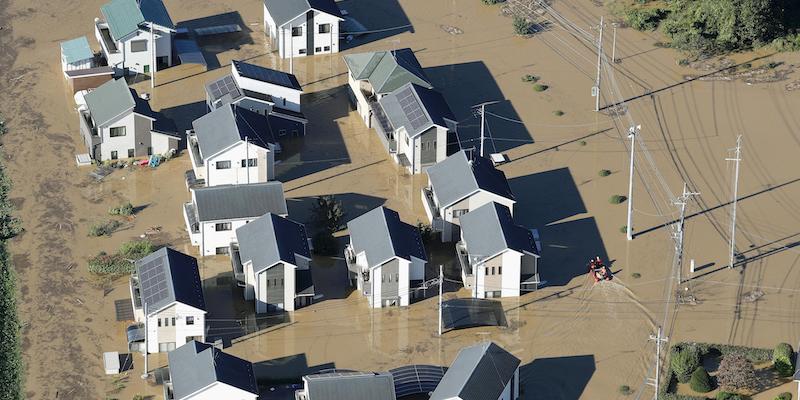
[[575, 340]]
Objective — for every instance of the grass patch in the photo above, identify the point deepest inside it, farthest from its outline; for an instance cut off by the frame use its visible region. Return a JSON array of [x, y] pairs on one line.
[[104, 228], [617, 199], [604, 172], [492, 2], [625, 390], [530, 78], [624, 229], [124, 209], [522, 26], [635, 275], [121, 263], [540, 88], [558, 113]]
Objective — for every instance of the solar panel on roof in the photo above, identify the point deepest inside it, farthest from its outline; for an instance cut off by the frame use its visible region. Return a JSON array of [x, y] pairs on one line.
[[412, 109], [223, 86], [216, 30], [263, 74], [153, 281]]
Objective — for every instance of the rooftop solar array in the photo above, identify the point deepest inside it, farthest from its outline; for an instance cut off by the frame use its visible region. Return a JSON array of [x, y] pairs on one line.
[[411, 107], [153, 280], [223, 86], [264, 74], [216, 30]]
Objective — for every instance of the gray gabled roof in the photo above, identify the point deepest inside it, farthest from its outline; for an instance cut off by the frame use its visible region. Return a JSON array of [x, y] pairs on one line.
[[154, 11], [382, 236], [196, 365], [283, 11], [228, 125], [124, 17], [350, 386], [228, 202], [76, 50], [271, 239], [457, 177], [110, 101], [167, 276], [479, 372], [416, 109], [387, 71], [490, 229]]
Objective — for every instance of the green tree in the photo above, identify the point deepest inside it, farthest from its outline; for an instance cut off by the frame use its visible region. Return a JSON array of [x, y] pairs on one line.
[[782, 359], [328, 214], [683, 362], [700, 381], [736, 372]]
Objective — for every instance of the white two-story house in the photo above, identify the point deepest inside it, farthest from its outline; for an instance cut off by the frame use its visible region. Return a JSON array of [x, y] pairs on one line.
[[215, 213], [229, 146], [272, 261], [266, 91], [200, 371], [458, 185], [135, 35], [116, 123], [482, 371], [419, 122], [166, 292], [385, 257], [498, 257], [297, 28]]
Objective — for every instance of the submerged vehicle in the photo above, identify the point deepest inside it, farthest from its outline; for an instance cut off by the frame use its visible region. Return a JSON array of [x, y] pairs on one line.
[[599, 271]]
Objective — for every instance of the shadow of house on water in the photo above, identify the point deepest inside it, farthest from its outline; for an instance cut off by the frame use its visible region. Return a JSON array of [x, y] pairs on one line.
[[557, 378], [382, 19], [546, 199], [467, 84], [217, 43]]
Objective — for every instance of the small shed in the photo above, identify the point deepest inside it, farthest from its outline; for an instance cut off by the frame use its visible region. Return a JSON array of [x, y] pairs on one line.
[[76, 54], [111, 362]]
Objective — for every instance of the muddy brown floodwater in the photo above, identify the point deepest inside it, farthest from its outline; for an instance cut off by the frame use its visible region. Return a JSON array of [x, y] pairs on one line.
[[575, 340]]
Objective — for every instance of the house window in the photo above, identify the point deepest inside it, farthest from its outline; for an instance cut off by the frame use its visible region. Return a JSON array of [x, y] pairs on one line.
[[223, 164], [222, 226], [159, 322], [130, 153], [173, 321], [166, 321], [397, 277], [222, 250], [282, 132], [250, 162], [327, 48], [117, 131], [114, 155], [499, 270], [138, 46], [189, 320], [458, 213], [149, 151], [295, 132], [317, 49], [324, 28], [297, 31], [487, 271], [301, 51], [492, 270]]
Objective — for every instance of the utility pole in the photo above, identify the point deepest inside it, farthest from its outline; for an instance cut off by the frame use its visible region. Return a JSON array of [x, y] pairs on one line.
[[632, 132], [681, 202], [483, 119], [596, 90], [291, 48], [737, 158], [658, 338], [441, 283], [146, 333], [614, 45], [153, 59], [247, 158]]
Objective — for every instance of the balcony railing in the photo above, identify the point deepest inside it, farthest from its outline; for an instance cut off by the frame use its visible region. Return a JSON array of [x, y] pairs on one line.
[[136, 292], [106, 40], [383, 127], [360, 271], [191, 218], [463, 259], [437, 224], [236, 265]]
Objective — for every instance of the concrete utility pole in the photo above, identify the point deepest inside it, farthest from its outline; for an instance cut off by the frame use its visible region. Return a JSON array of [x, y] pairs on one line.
[[614, 45], [737, 158], [483, 119], [145, 373], [247, 158], [658, 338], [596, 90], [441, 283], [681, 202], [632, 132], [153, 59], [291, 48]]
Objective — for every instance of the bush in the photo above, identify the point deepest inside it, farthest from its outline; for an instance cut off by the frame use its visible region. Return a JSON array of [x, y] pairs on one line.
[[604, 172], [558, 113], [540, 88], [624, 229], [426, 232], [136, 249], [124, 209], [617, 199], [324, 244], [625, 390], [787, 43], [782, 359], [104, 228], [736, 372], [530, 78], [635, 275], [729, 396], [522, 26], [11, 366], [110, 264], [784, 396], [683, 362], [491, 2], [700, 381], [644, 19], [582, 143], [3, 128], [328, 214]]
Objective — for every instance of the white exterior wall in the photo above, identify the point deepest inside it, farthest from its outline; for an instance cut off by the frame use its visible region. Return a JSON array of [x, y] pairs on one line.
[[288, 45], [511, 273], [211, 239], [219, 390], [289, 289], [326, 39], [161, 143], [262, 172], [361, 101], [179, 311], [484, 197], [405, 284], [130, 59], [120, 144], [278, 93], [80, 64], [249, 281], [375, 283]]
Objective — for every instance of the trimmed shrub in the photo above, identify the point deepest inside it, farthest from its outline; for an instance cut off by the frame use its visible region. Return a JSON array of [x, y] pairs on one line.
[[558, 113], [530, 78], [522, 26], [700, 381], [617, 199], [604, 172], [624, 229], [736, 372], [784, 396], [124, 209], [540, 88], [683, 362], [729, 396], [104, 228], [636, 275], [782, 359]]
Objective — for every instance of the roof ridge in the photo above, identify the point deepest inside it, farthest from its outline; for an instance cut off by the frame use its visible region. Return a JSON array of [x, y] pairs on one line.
[[386, 224]]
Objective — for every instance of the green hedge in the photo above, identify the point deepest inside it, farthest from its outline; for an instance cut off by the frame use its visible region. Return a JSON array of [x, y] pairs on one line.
[[11, 367]]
